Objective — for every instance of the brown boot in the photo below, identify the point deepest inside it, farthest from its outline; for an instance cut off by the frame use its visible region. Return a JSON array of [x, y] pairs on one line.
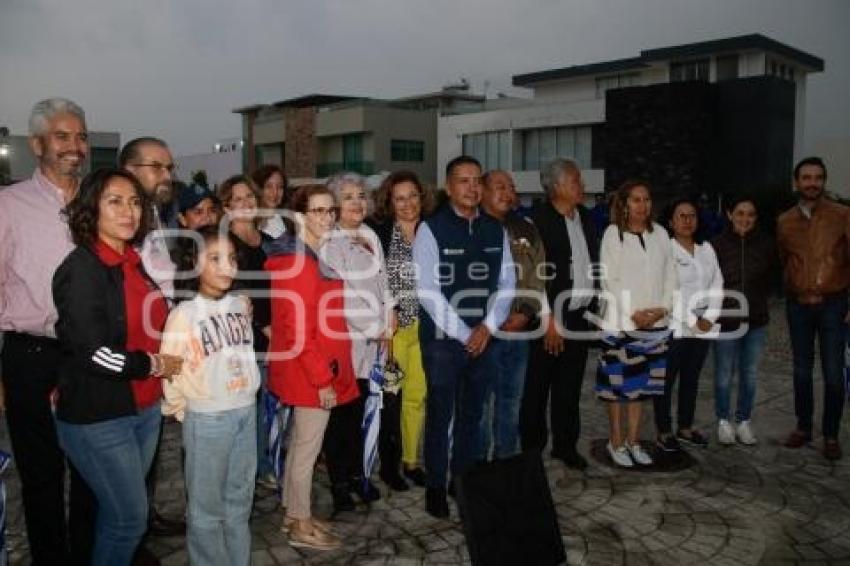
[[797, 439]]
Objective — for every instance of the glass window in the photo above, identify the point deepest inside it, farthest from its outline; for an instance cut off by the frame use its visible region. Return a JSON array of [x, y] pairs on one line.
[[407, 150], [542, 145], [491, 149], [727, 67], [689, 70]]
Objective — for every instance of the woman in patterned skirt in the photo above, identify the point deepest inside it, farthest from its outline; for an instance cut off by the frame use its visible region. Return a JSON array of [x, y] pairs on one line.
[[638, 279]]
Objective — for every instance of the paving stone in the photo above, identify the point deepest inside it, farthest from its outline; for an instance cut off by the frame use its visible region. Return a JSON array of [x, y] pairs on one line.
[[761, 505]]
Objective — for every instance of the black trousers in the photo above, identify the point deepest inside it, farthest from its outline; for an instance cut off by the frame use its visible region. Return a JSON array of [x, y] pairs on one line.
[[30, 373], [389, 437], [561, 377], [343, 442], [684, 360]]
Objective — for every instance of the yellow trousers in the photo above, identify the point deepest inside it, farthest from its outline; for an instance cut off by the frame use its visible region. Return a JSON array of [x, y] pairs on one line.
[[414, 391]]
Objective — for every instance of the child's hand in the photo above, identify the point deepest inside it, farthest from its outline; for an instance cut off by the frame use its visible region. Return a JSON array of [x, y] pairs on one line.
[[171, 365]]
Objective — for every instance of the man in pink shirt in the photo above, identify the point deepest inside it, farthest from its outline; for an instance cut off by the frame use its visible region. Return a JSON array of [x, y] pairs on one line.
[[35, 240]]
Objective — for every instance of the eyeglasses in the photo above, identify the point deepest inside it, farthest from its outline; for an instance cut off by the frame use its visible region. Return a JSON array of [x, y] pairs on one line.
[[322, 211], [158, 166]]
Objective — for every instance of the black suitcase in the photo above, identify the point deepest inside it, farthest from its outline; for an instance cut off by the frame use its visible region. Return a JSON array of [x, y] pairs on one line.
[[508, 515]]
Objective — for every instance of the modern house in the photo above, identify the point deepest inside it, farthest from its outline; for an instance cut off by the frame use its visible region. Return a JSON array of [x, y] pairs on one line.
[[710, 117], [318, 135]]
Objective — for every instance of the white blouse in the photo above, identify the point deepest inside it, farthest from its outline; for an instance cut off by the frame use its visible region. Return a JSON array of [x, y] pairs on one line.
[[700, 289], [635, 275]]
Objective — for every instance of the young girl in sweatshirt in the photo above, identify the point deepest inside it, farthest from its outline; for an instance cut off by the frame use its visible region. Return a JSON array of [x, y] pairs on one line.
[[214, 397]]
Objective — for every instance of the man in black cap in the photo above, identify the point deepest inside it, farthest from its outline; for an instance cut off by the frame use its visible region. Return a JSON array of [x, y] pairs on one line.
[[197, 207]]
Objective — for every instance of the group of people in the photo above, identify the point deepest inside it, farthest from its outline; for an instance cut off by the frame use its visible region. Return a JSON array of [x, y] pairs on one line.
[[457, 327]]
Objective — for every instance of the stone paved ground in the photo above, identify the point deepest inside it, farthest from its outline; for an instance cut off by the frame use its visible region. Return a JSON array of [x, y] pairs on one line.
[[763, 505]]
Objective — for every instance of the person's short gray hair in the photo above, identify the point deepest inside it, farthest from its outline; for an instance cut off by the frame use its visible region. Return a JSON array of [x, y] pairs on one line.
[[553, 171], [46, 109], [335, 183]]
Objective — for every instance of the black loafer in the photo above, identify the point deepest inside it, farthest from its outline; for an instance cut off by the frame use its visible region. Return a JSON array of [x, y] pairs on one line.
[[394, 481], [367, 493], [416, 475], [436, 503], [342, 498]]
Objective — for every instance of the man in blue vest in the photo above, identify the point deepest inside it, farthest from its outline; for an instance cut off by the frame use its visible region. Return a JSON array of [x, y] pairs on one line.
[[465, 282]]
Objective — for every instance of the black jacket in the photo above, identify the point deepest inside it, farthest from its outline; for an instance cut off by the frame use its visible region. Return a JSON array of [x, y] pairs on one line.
[[96, 369], [559, 254], [749, 265]]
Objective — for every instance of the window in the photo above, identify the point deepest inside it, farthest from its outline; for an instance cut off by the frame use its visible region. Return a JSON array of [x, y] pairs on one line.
[[541, 145], [603, 84], [689, 71], [491, 149], [407, 150], [727, 67], [103, 157]]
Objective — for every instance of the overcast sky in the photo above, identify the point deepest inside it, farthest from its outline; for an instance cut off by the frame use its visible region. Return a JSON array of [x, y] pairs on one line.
[[176, 69]]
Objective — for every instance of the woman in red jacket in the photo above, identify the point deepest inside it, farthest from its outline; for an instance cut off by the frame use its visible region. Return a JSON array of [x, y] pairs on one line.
[[310, 364]]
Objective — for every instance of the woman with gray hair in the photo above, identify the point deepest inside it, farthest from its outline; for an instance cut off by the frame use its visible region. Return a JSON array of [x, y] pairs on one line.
[[353, 250]]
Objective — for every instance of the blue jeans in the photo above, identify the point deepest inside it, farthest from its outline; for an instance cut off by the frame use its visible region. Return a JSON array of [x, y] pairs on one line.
[[113, 458], [741, 355], [511, 359], [826, 320], [221, 463], [457, 385]]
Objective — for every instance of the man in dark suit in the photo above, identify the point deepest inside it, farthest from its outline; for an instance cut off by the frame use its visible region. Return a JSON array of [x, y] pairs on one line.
[[558, 359]]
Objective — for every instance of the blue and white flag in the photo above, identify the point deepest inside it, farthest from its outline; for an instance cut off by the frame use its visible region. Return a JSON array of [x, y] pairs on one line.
[[276, 423], [372, 416]]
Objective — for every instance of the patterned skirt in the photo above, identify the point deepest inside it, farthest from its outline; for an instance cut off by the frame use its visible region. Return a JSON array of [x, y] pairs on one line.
[[632, 366]]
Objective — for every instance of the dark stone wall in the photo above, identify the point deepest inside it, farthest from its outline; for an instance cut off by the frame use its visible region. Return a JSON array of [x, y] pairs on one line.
[[694, 137]]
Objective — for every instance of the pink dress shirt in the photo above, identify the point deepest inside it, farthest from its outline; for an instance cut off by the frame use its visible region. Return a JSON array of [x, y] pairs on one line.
[[34, 239]]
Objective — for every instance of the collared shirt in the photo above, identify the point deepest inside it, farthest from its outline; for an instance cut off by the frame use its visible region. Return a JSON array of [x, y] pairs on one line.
[[34, 239], [426, 256], [581, 261], [700, 288], [156, 258]]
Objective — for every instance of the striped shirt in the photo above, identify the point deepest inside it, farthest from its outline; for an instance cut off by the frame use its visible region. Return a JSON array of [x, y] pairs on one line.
[[34, 239]]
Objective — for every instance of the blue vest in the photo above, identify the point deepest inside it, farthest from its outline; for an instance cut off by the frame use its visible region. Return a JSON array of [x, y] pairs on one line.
[[470, 257]]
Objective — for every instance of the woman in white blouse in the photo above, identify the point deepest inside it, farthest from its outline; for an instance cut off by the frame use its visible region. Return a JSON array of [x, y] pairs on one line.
[[639, 281], [694, 318], [354, 251]]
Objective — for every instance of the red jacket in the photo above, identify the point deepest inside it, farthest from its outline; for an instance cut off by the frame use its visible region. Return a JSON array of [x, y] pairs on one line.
[[308, 340]]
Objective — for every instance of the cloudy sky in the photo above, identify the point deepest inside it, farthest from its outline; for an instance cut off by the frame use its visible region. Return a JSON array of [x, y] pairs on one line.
[[177, 68]]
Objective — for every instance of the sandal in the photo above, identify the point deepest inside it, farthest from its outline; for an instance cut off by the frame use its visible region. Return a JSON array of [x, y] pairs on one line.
[[315, 539], [319, 524]]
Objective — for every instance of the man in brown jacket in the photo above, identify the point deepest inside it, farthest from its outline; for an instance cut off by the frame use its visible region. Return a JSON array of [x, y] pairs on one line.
[[814, 244]]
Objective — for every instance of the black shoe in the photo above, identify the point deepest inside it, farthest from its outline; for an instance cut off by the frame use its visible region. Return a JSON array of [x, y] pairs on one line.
[[159, 526], [695, 438], [668, 443], [436, 503], [416, 475], [367, 493], [575, 461], [144, 557], [342, 498], [394, 481]]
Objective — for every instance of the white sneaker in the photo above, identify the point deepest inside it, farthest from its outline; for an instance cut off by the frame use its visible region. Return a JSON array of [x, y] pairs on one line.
[[620, 456], [725, 432], [638, 454], [745, 434]]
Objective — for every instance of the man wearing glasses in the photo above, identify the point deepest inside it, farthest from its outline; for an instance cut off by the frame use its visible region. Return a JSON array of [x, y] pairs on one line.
[[150, 161], [462, 259]]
